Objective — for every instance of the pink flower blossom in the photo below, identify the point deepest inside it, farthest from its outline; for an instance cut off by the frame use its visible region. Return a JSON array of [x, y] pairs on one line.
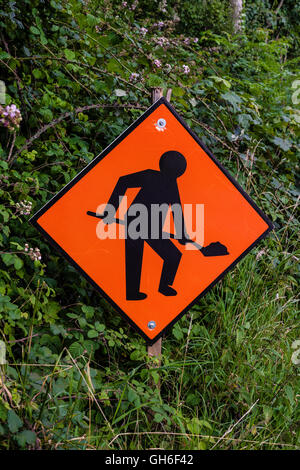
[[134, 76], [143, 31], [162, 41], [186, 69], [157, 63], [134, 5], [24, 207], [33, 253], [159, 25], [10, 117]]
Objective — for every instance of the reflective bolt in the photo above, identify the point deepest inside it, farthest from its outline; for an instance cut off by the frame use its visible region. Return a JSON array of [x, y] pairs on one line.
[[151, 325], [161, 123]]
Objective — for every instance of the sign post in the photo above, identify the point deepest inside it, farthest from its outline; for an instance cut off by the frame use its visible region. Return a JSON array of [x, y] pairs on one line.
[[154, 350]]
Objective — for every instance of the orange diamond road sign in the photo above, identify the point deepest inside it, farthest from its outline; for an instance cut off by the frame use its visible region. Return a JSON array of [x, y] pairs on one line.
[[154, 221]]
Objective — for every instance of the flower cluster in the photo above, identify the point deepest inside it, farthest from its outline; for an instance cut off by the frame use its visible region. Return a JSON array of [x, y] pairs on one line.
[[161, 41], [134, 5], [10, 117], [143, 31], [24, 207], [157, 63], [134, 77], [186, 69], [159, 25], [188, 41], [33, 253], [260, 254], [163, 6]]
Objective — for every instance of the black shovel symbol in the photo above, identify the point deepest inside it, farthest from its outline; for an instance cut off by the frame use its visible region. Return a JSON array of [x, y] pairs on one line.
[[213, 249]]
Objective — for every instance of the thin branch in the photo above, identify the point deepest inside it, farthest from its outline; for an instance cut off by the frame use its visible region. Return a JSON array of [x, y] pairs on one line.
[[279, 6], [68, 115], [203, 436], [232, 427], [12, 146]]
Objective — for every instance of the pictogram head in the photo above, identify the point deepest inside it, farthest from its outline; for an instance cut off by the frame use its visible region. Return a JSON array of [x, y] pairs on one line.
[[172, 164]]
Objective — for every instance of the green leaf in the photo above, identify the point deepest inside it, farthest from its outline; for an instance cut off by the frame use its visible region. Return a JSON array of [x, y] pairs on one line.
[[196, 425], [99, 327], [37, 73], [232, 98], [119, 92], [8, 259], [177, 91], [88, 311], [92, 334], [46, 113], [2, 354], [158, 418], [18, 263], [70, 55], [155, 376], [268, 412], [240, 335], [177, 332], [26, 437], [221, 80], [284, 144], [35, 30], [3, 411], [76, 349], [290, 394], [82, 322], [92, 20], [13, 421], [131, 395], [113, 66], [4, 55], [136, 355], [155, 81]]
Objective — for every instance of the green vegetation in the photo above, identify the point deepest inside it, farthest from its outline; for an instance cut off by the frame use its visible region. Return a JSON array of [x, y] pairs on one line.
[[76, 375]]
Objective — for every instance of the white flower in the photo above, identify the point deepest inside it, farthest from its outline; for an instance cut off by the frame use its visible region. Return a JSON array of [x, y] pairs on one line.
[[186, 69]]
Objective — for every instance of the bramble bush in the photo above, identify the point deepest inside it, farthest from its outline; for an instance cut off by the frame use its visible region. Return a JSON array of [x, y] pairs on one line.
[[77, 73]]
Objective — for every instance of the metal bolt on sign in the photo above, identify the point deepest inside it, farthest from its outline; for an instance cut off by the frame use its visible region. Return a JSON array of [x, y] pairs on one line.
[[151, 325]]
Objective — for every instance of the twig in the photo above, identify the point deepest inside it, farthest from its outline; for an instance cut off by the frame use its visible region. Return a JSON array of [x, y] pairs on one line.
[[68, 115], [184, 359], [279, 6], [232, 427], [203, 436], [12, 146], [90, 391]]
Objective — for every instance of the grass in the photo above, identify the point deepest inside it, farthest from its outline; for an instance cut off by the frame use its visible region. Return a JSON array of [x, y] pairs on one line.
[[227, 378]]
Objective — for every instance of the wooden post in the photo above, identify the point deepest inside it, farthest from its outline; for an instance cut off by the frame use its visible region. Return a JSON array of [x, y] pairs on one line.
[[155, 350], [156, 93]]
